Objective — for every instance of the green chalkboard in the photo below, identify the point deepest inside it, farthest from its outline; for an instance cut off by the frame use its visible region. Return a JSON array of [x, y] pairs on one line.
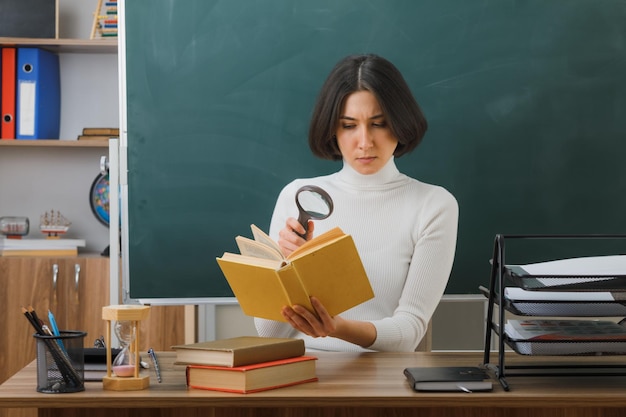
[[526, 102]]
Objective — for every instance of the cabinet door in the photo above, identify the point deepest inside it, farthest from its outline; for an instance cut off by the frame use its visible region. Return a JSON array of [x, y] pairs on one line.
[[85, 286], [164, 328], [74, 289], [24, 282]]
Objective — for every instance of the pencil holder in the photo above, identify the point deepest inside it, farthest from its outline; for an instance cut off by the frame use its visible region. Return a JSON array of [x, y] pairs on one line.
[[60, 362]]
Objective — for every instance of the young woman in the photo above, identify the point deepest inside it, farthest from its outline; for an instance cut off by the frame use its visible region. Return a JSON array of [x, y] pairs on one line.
[[405, 230]]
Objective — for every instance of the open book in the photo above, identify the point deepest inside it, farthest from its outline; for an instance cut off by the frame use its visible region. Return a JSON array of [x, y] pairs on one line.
[[327, 267]]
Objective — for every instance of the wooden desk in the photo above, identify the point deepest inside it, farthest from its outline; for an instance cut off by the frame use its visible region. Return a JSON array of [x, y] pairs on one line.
[[350, 385]]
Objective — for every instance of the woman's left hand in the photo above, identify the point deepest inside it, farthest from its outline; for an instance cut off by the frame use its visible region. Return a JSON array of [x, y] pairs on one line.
[[320, 324]]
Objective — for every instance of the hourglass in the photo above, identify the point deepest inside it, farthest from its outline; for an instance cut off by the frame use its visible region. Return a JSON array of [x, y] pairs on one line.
[[124, 363], [123, 372]]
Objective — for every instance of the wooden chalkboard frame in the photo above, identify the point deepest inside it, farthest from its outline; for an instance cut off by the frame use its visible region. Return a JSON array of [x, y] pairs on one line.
[[525, 102]]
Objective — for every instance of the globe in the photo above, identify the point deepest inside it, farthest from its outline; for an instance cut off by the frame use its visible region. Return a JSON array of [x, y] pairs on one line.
[[99, 198]]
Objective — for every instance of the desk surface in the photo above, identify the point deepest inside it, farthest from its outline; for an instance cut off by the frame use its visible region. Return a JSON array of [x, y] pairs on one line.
[[345, 380]]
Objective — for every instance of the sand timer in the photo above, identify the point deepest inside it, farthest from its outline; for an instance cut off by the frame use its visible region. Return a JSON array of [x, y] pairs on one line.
[[124, 364], [123, 372]]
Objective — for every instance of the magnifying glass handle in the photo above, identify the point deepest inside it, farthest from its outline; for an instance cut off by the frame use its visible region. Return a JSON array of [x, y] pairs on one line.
[[303, 219]]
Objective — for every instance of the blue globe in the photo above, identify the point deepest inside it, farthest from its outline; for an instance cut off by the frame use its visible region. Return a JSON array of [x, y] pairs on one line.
[[99, 198]]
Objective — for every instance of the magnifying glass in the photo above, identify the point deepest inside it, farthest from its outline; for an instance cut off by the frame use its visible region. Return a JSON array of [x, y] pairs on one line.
[[313, 203]]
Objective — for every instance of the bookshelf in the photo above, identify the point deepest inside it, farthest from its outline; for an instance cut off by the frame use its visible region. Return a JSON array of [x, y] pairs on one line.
[[55, 143], [104, 46], [89, 84], [62, 46]]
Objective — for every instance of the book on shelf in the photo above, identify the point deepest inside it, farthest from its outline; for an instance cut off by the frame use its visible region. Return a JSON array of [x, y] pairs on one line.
[[327, 267], [253, 378], [238, 351], [565, 330], [448, 378], [40, 247], [95, 137], [38, 252], [42, 244], [99, 131]]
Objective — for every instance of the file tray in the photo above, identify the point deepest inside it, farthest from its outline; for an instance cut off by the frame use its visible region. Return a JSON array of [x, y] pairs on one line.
[[589, 286]]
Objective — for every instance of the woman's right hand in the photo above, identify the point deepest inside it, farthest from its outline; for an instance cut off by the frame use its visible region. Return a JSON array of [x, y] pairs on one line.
[[289, 238]]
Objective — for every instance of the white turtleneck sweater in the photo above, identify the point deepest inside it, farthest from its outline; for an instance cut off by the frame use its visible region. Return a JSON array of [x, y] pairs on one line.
[[405, 232]]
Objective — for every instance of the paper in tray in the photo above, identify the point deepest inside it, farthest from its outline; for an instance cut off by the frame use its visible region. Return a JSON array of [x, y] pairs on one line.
[[565, 337], [594, 273], [567, 348], [566, 303]]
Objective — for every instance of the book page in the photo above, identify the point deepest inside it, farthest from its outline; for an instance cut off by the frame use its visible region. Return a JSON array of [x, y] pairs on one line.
[[262, 237], [253, 260], [317, 242], [249, 247]]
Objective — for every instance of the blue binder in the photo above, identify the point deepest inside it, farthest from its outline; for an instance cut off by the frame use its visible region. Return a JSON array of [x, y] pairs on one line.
[[38, 106]]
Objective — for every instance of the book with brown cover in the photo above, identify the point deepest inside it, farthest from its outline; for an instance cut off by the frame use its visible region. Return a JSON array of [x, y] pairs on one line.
[[327, 267], [96, 137], [253, 378], [39, 252], [238, 351], [91, 131]]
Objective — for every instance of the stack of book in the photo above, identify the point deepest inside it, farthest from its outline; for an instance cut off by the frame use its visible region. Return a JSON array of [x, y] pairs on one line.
[[99, 133], [40, 247], [246, 364]]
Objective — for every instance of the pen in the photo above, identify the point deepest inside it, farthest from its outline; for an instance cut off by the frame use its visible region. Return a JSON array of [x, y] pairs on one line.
[[53, 324], [155, 363], [55, 328]]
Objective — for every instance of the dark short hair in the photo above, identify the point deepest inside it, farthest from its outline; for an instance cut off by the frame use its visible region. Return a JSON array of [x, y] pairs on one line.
[[381, 78]]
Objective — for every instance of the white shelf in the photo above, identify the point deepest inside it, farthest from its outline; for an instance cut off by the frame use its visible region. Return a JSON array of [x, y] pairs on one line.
[[105, 46]]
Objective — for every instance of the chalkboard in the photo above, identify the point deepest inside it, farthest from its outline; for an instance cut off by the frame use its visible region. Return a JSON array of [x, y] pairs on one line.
[[29, 18], [526, 103]]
